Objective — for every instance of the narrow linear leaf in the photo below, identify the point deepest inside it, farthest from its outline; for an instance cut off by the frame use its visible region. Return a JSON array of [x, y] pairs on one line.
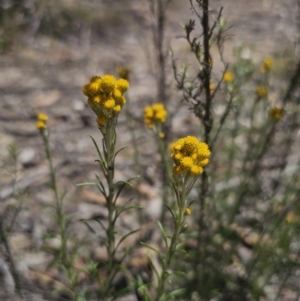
[[102, 165], [100, 223], [190, 203], [101, 187], [180, 248], [170, 212], [120, 211], [100, 183], [119, 192], [86, 184], [179, 273], [175, 189], [118, 151], [124, 237], [89, 227], [177, 292], [124, 183], [97, 148], [128, 181], [126, 203], [125, 254], [162, 230], [163, 297], [153, 249], [104, 148], [102, 191], [153, 266]]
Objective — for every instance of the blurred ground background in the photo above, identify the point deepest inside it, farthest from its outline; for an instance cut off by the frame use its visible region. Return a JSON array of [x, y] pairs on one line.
[[49, 50]]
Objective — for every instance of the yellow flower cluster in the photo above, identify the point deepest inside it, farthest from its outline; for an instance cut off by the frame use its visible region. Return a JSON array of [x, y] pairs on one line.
[[190, 156], [155, 114], [266, 65], [276, 113], [41, 121], [261, 91], [106, 96], [228, 77]]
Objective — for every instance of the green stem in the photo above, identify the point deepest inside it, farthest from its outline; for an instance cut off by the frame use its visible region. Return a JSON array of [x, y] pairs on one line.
[[166, 162], [58, 202], [167, 175], [109, 153], [179, 223]]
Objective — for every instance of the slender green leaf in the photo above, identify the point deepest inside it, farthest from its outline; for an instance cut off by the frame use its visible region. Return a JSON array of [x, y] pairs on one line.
[[124, 183], [120, 211], [102, 191], [176, 293], [100, 182], [101, 187], [89, 227], [190, 203], [153, 249], [125, 254], [179, 273], [170, 212], [179, 248], [101, 224], [163, 297], [86, 184], [119, 192], [165, 236], [104, 148], [153, 266], [124, 237], [150, 247], [97, 148], [129, 180], [118, 151]]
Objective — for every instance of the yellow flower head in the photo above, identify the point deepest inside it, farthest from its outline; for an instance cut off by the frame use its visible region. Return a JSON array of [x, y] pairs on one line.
[[42, 119], [155, 114], [101, 120], [228, 77], [188, 211], [276, 113], [109, 103], [117, 94], [266, 65], [117, 108], [189, 156], [105, 94], [40, 125], [261, 91], [107, 83], [122, 85]]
